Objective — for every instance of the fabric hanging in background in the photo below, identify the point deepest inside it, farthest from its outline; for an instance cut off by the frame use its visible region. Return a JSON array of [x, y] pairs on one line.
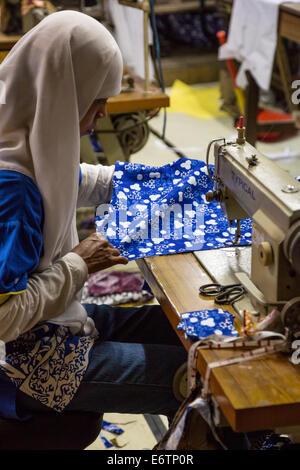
[[130, 39], [252, 40], [116, 299], [197, 29], [163, 210]]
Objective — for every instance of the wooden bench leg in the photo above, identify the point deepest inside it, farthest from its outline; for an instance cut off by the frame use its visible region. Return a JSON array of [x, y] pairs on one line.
[[252, 97]]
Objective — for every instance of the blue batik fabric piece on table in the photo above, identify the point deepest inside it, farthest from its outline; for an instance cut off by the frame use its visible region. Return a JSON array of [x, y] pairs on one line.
[[163, 210], [111, 427], [106, 442], [203, 323]]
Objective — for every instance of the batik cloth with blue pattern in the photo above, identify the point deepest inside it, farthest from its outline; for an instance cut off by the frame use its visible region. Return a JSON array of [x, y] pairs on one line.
[[203, 323], [111, 427], [277, 442], [163, 210], [47, 363]]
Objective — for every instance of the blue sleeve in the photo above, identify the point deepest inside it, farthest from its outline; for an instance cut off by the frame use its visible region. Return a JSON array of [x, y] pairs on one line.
[[80, 175], [21, 222]]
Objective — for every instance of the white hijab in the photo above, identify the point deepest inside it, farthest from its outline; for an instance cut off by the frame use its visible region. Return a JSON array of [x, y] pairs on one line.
[[52, 76]]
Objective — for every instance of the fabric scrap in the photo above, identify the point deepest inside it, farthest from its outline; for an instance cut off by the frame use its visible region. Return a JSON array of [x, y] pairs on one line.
[[276, 442], [202, 103], [204, 323], [117, 444], [114, 282], [111, 427], [106, 441], [115, 299], [204, 409]]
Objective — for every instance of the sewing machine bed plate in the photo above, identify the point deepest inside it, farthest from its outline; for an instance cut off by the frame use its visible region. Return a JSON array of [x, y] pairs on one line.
[[260, 394], [222, 264]]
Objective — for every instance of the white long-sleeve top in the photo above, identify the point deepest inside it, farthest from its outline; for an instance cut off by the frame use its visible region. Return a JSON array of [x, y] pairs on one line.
[[50, 294]]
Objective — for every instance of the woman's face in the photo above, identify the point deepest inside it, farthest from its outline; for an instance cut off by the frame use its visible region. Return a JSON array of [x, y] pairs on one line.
[[96, 111]]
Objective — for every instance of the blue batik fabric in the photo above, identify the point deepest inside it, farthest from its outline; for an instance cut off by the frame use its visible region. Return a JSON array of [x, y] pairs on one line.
[[163, 210], [203, 323], [47, 363]]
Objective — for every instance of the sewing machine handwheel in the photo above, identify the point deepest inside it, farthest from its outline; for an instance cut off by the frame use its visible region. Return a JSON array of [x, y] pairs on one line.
[[180, 383], [291, 245], [135, 137], [265, 253], [290, 315]]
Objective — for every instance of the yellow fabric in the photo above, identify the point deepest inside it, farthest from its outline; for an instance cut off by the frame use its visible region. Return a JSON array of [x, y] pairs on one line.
[[4, 297], [202, 103]]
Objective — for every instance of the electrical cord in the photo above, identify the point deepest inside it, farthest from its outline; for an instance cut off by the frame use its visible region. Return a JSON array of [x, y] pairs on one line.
[[168, 143], [158, 58]]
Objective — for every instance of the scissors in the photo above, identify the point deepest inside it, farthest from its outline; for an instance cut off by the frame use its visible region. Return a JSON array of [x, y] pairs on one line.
[[223, 294]]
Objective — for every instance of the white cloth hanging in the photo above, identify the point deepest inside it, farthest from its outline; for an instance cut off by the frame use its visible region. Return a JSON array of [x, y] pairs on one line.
[[252, 39], [129, 35]]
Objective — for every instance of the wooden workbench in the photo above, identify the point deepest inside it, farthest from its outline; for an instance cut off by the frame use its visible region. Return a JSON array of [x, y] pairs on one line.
[[137, 101], [289, 21], [289, 14], [260, 394], [7, 41], [6, 44]]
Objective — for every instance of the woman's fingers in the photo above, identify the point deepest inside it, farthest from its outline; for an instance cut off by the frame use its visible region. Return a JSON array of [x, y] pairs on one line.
[[115, 252], [119, 259], [99, 253]]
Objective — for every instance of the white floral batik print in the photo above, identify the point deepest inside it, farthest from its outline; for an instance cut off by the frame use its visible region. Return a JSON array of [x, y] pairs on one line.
[[163, 210]]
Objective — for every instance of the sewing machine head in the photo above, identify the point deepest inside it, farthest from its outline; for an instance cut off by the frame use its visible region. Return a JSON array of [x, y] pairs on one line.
[[248, 184]]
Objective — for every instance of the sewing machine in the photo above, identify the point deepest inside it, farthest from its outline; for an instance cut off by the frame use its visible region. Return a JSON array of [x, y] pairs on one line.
[[263, 393], [248, 184]]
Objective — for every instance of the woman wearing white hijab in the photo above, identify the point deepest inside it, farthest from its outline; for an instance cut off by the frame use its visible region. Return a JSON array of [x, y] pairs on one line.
[[59, 353]]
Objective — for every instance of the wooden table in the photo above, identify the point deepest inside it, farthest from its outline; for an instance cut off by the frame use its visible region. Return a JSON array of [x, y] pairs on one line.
[[137, 101], [288, 28], [6, 43], [260, 394]]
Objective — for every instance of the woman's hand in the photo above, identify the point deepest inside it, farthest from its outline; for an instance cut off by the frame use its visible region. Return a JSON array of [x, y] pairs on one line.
[[98, 253]]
